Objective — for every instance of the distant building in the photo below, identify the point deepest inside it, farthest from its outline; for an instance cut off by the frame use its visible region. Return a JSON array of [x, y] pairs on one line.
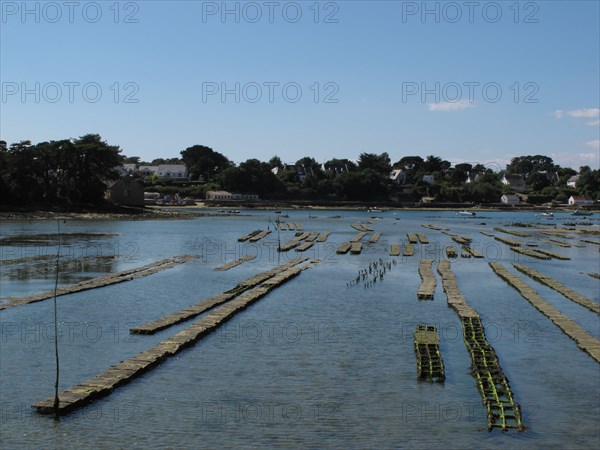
[[126, 169], [224, 196], [127, 191], [516, 182], [428, 179], [337, 169], [151, 198], [172, 171], [147, 170], [300, 170], [398, 176], [552, 176], [580, 200], [473, 177], [572, 182], [177, 172], [509, 199]]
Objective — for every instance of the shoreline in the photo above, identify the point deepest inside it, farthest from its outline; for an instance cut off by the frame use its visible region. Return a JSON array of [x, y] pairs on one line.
[[204, 210], [91, 213], [382, 209]]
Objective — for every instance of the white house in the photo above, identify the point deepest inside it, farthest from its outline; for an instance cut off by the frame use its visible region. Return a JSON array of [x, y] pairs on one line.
[[516, 182], [572, 182], [473, 177], [509, 199], [300, 170], [580, 200], [337, 169], [147, 170], [173, 171], [398, 176], [428, 179], [126, 169]]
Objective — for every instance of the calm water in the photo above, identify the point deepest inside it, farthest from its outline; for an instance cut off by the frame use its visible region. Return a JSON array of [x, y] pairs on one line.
[[313, 364]]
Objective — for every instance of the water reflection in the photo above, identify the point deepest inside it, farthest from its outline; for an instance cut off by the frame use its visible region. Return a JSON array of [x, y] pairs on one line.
[[71, 270]]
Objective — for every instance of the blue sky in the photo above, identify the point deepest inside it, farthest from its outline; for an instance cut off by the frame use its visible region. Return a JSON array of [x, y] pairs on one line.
[[501, 79]]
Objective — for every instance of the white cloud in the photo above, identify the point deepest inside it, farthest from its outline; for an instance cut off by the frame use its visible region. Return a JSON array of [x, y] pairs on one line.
[[589, 113], [451, 106], [593, 123], [575, 160], [594, 144]]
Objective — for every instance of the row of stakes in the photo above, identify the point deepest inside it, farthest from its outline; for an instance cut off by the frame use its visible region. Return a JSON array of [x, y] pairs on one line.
[[376, 270]]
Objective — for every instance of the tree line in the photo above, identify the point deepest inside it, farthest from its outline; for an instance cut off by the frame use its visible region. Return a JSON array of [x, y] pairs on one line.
[[368, 179], [75, 171], [68, 171]]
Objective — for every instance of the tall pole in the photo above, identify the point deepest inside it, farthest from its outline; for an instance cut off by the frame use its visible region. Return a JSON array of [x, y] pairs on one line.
[[56, 399]]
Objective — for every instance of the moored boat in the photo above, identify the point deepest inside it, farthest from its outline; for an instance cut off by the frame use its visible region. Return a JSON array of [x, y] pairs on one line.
[[578, 212]]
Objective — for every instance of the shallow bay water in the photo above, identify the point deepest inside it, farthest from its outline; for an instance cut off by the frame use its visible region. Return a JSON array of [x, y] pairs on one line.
[[316, 363]]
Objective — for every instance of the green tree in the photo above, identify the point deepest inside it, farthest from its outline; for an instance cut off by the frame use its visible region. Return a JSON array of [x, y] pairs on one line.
[[480, 168], [483, 192], [564, 193], [275, 161], [380, 164], [528, 164], [435, 164], [490, 178], [310, 164], [22, 181], [203, 161], [158, 161], [4, 170], [61, 172], [537, 181], [589, 182], [325, 188], [92, 168], [364, 185], [459, 174], [252, 176], [564, 173], [446, 191], [413, 167], [464, 167], [289, 177]]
